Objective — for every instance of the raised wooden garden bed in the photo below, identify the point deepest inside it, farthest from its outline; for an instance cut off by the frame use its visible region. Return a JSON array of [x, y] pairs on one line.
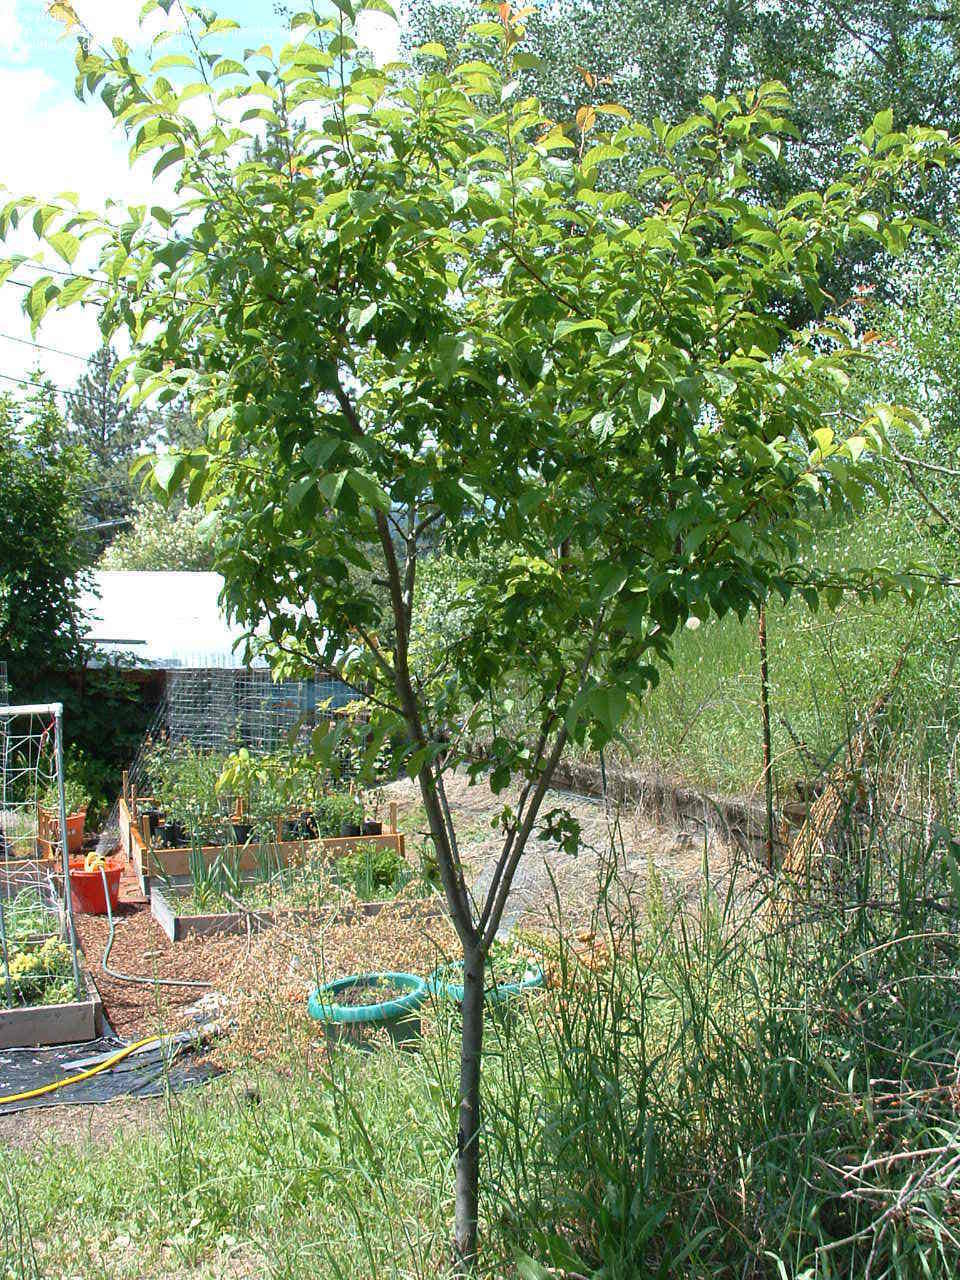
[[150, 863], [31, 1026], [45, 1024], [165, 908]]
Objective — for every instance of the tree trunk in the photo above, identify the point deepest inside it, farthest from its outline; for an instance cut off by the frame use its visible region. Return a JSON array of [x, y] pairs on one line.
[[468, 1128]]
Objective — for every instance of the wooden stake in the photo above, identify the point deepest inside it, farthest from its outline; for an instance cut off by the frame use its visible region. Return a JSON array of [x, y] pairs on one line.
[[767, 754], [393, 815]]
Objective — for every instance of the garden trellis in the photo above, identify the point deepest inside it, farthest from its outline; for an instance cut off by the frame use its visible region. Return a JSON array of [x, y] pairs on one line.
[[38, 947]]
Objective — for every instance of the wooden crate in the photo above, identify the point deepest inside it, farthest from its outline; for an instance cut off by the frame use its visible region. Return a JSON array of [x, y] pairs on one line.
[[164, 907], [290, 853]]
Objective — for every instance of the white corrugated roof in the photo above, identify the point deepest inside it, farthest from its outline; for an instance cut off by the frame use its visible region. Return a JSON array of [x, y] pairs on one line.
[[165, 619]]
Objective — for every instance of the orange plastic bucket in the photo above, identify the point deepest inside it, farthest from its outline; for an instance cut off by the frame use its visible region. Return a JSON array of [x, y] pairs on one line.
[[86, 887]]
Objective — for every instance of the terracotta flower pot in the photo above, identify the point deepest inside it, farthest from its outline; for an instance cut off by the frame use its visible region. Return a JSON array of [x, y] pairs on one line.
[[76, 822]]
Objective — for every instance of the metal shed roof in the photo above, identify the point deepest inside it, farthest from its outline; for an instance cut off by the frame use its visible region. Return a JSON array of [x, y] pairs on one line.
[[162, 619]]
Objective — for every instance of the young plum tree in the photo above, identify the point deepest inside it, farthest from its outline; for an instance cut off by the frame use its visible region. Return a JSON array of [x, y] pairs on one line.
[[415, 317]]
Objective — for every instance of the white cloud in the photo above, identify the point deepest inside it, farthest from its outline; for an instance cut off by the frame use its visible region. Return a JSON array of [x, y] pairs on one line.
[[54, 143], [108, 18], [59, 144]]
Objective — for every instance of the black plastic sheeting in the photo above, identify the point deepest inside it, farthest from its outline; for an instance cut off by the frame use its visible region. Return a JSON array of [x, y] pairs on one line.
[[144, 1074]]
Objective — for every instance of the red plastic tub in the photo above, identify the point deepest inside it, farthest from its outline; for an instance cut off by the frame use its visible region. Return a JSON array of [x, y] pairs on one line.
[[86, 887]]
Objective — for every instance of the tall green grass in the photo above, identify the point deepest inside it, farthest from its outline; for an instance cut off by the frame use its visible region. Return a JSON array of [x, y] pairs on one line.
[[752, 1092], [733, 1090]]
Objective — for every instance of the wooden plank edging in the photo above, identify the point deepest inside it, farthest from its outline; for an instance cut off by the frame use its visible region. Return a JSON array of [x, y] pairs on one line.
[[178, 927]]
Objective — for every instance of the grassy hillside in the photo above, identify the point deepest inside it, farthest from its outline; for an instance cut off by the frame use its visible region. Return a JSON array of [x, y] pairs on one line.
[[703, 721]]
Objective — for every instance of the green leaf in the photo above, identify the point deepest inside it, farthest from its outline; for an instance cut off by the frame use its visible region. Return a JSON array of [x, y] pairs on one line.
[[367, 489], [65, 244], [529, 1269], [228, 67], [168, 471], [883, 121], [330, 485], [566, 327], [602, 152], [172, 60], [221, 24], [360, 318], [173, 156], [299, 490], [39, 297]]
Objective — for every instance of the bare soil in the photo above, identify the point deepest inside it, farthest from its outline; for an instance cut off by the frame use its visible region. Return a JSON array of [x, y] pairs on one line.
[[97, 1124], [142, 949], [623, 852]]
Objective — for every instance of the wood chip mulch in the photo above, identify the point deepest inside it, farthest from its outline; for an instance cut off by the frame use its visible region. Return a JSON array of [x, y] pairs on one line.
[[141, 948], [266, 977], [267, 994]]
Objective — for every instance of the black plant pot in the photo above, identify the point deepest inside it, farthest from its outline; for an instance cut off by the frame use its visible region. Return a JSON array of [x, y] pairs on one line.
[[350, 829], [241, 831], [154, 818], [304, 827], [172, 835], [372, 828]]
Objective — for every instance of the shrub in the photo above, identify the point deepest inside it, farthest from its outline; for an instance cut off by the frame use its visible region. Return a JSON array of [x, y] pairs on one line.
[[373, 872]]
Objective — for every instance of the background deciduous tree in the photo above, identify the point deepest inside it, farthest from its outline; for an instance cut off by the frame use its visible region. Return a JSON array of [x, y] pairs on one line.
[[842, 61], [43, 550], [160, 537]]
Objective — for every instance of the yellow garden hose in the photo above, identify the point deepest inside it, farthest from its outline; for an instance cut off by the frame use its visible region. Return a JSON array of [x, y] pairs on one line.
[[82, 1075]]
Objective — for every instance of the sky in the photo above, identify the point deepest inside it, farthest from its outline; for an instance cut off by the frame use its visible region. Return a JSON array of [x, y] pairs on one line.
[[52, 142]]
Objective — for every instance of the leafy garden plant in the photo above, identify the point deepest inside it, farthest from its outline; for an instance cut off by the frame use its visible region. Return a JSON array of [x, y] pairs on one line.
[[76, 797], [40, 973], [373, 872], [410, 312]]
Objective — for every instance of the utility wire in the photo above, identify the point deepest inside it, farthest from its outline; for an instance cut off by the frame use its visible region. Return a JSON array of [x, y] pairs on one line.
[[59, 271], [30, 382], [57, 351]]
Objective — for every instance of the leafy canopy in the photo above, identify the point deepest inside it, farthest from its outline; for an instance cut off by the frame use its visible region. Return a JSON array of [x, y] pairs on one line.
[[416, 312], [43, 550]]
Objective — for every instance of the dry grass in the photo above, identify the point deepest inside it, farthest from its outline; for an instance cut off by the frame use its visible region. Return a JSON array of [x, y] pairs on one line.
[[271, 978]]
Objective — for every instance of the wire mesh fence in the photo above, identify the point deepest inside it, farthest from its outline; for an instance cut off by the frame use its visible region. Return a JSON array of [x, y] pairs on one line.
[[38, 949], [221, 710]]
